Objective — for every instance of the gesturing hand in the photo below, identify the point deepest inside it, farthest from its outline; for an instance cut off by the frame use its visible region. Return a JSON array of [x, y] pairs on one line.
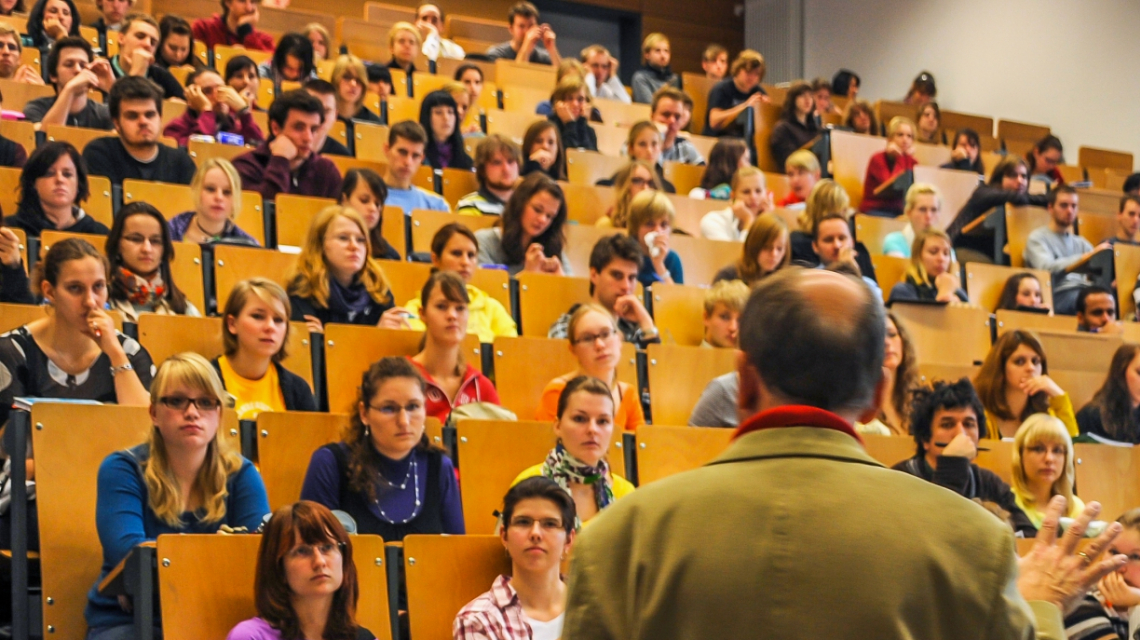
[[1054, 571]]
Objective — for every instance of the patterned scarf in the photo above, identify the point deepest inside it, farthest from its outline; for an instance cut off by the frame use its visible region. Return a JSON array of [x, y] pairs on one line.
[[140, 291], [564, 468]]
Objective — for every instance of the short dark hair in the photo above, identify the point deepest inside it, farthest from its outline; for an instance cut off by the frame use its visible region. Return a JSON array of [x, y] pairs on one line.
[[67, 42], [1092, 290], [197, 73], [842, 80], [295, 100], [298, 46], [1126, 199], [834, 215], [803, 354], [619, 246], [133, 88], [540, 487], [942, 395], [37, 166], [379, 73], [1132, 183], [237, 64], [464, 68], [138, 16], [35, 22], [524, 9], [819, 84], [409, 130], [488, 147], [320, 86], [1058, 190]]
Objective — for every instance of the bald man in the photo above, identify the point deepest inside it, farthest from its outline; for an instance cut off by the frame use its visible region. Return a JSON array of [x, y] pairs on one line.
[[795, 532]]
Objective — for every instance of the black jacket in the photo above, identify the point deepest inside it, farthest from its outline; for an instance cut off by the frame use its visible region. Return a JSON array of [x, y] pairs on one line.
[[298, 396], [804, 254], [986, 197], [788, 136], [577, 134], [35, 222], [971, 481], [108, 157], [306, 307], [14, 286]]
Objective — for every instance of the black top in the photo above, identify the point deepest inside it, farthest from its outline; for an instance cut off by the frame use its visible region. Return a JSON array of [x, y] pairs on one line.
[[725, 95], [577, 134], [35, 222], [25, 371], [1089, 421], [14, 285], [12, 154], [911, 290], [108, 157], [334, 148], [92, 116], [804, 254], [970, 481], [788, 136], [986, 197], [964, 165], [366, 115], [156, 74], [307, 307], [429, 520], [727, 273], [530, 166], [298, 396]]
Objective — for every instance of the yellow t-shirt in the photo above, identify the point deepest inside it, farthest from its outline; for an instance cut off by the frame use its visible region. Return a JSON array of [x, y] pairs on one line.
[[253, 396], [622, 487]]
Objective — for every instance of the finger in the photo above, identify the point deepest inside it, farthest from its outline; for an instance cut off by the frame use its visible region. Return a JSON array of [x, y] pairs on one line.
[[1047, 533], [1100, 543], [1100, 569], [1075, 532]]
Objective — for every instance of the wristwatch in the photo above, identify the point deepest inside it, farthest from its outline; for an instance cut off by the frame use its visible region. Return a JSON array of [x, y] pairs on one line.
[[117, 370]]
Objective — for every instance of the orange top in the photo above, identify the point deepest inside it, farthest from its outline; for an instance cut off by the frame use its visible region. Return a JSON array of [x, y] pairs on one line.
[[628, 416]]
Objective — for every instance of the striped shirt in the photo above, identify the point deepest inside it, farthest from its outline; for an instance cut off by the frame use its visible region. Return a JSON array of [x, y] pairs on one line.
[[498, 615], [1092, 620]]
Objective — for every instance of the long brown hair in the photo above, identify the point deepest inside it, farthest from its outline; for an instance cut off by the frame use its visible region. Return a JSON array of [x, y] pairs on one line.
[[990, 381], [454, 290], [766, 229], [311, 276], [553, 239], [1114, 400], [173, 295], [906, 376], [313, 524], [363, 459]]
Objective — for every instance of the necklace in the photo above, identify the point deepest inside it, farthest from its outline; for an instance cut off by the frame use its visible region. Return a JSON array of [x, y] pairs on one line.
[[209, 235], [400, 487]]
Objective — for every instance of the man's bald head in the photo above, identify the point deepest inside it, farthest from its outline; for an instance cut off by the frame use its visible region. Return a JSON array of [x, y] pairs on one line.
[[815, 337]]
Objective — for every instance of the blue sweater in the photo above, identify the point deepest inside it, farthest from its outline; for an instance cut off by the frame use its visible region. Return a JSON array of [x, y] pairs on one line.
[[647, 275], [415, 198], [124, 519]]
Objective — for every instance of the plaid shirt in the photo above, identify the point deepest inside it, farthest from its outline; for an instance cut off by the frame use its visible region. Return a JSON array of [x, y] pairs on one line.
[[495, 615]]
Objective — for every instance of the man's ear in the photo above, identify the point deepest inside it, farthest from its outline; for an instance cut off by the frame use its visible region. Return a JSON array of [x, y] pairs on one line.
[[748, 394], [274, 129], [877, 400]]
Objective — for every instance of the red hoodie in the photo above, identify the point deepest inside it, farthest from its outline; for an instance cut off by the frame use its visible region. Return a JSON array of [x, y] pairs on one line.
[[475, 387], [213, 31]]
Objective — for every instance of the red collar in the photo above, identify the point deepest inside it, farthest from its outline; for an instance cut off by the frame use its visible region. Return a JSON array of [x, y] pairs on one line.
[[796, 416]]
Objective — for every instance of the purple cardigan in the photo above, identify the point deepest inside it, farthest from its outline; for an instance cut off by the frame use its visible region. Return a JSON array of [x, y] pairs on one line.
[[192, 122], [269, 175], [259, 629]]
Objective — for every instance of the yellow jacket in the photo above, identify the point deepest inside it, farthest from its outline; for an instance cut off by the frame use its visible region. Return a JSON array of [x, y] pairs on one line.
[[486, 317], [622, 487], [1060, 407], [763, 542]]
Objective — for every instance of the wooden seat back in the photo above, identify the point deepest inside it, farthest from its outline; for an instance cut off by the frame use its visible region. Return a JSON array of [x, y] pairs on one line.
[[850, 155], [663, 451], [17, 95], [984, 284], [701, 258], [673, 396], [370, 140], [678, 312], [1099, 201], [459, 26], [1019, 223], [524, 366], [587, 167], [166, 335], [954, 121], [946, 334], [889, 271], [425, 223], [21, 132], [955, 186], [388, 13], [295, 214], [1073, 351], [286, 442], [511, 124], [928, 373], [616, 113], [697, 86], [173, 199], [525, 74], [1096, 227], [458, 183], [611, 140], [200, 150], [580, 241], [686, 177], [495, 452], [689, 211], [444, 573], [1091, 157], [71, 442], [233, 264], [873, 230], [1008, 320], [350, 349], [1126, 262], [1012, 130], [930, 156], [543, 298], [520, 98], [585, 204], [196, 604], [1099, 469], [1080, 385]]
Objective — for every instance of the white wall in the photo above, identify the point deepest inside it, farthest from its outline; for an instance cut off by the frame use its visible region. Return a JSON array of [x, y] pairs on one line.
[[1069, 64]]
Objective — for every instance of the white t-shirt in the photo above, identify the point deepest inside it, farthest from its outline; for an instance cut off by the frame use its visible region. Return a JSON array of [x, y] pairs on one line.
[[721, 225], [551, 630]]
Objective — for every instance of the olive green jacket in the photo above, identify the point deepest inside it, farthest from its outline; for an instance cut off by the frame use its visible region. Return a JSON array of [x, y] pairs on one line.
[[796, 532]]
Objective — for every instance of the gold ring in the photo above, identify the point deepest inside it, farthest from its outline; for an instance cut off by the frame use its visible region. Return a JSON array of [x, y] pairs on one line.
[[1085, 556]]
